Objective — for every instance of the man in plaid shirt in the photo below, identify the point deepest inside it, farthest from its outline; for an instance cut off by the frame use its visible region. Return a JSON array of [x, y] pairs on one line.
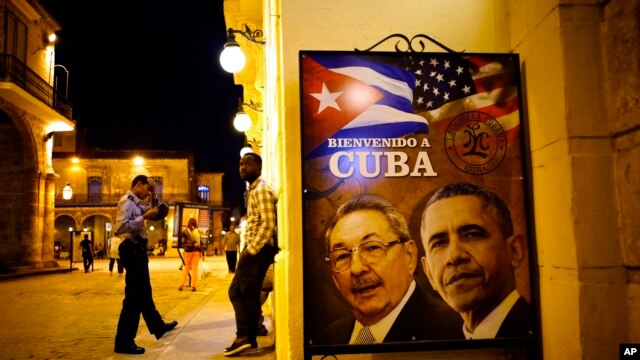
[[257, 255]]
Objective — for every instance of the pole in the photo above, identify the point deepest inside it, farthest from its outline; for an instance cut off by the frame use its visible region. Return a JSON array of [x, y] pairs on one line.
[[66, 85], [70, 251]]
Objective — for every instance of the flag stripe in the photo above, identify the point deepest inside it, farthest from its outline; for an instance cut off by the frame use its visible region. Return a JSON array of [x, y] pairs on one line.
[[490, 82], [374, 78], [393, 100], [379, 114], [474, 102], [345, 61]]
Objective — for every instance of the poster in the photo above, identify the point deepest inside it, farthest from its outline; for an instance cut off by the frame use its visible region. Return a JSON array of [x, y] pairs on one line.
[[383, 134]]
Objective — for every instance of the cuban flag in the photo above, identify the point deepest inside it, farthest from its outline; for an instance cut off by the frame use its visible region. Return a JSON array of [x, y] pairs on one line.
[[346, 96]]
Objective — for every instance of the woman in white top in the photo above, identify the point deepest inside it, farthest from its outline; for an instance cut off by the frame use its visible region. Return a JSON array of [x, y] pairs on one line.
[[192, 251]]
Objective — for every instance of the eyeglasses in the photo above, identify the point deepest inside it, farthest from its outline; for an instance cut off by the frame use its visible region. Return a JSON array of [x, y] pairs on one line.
[[371, 251]]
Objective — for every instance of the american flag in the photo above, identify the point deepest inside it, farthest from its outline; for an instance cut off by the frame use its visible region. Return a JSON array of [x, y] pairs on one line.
[[449, 84]]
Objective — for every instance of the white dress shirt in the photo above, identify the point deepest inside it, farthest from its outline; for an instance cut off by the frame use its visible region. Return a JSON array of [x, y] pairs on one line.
[[489, 326], [380, 329]]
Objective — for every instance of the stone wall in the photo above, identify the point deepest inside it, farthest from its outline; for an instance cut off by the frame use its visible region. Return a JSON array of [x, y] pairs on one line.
[[621, 51]]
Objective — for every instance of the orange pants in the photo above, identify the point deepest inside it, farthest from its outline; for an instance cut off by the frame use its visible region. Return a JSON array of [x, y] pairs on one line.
[[191, 260]]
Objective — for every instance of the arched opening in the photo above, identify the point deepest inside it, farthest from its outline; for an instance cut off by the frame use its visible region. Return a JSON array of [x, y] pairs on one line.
[[102, 229], [13, 196], [61, 236]]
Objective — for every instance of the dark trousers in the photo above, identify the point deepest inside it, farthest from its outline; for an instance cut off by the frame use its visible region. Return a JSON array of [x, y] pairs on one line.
[[137, 300], [244, 291], [120, 266], [232, 259], [87, 259]]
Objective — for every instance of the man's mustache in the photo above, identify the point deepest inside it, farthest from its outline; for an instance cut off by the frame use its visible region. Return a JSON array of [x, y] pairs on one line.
[[364, 283]]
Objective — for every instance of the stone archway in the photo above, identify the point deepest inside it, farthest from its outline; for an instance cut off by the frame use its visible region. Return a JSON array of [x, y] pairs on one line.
[[27, 189], [62, 224], [101, 226], [12, 194]]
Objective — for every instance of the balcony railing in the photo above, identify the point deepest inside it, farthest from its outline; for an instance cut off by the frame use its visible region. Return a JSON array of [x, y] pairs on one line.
[[80, 200], [15, 71]]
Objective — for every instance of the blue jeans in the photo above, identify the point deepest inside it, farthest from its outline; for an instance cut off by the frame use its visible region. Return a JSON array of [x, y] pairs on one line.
[[244, 291]]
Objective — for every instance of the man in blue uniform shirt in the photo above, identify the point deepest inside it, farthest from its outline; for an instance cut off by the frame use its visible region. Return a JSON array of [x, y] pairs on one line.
[[138, 300]]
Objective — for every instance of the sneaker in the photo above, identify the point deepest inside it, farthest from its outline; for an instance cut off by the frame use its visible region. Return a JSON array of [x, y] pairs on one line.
[[240, 345]]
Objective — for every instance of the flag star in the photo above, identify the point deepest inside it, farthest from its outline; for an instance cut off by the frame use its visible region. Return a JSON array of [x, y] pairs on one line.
[[434, 62], [446, 64], [452, 83], [440, 77], [425, 87], [459, 70], [421, 62], [418, 72], [446, 96], [432, 74], [420, 100], [466, 89], [429, 104], [418, 82], [436, 92], [327, 99]]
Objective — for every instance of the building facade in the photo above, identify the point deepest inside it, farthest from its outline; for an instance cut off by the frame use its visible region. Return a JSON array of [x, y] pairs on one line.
[[31, 111], [580, 79], [99, 179]]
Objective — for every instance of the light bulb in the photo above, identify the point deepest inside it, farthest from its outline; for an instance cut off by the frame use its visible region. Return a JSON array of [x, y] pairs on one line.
[[242, 121], [232, 58]]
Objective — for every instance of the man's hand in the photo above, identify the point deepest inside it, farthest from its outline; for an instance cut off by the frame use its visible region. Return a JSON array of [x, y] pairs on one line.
[[151, 213], [152, 184]]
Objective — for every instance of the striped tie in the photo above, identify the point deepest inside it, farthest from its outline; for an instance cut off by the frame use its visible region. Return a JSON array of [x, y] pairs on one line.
[[365, 336]]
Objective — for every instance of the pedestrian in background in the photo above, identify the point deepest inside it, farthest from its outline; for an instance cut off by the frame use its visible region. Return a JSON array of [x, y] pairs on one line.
[[87, 253], [130, 216], [114, 257], [192, 252], [258, 254], [231, 244]]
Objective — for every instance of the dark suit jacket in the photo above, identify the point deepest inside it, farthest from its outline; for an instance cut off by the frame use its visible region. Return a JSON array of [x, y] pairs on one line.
[[518, 321], [422, 318]]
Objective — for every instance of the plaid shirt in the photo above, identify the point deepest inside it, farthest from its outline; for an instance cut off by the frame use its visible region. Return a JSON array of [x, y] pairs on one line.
[[261, 216]]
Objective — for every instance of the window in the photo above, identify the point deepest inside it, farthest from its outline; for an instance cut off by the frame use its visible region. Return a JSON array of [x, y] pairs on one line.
[[203, 194], [95, 188], [16, 37]]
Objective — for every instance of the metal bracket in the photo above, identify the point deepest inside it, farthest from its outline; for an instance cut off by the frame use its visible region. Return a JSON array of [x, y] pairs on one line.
[[408, 43]]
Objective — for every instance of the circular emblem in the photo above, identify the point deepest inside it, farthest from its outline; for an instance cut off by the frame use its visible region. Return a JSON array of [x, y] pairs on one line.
[[475, 142]]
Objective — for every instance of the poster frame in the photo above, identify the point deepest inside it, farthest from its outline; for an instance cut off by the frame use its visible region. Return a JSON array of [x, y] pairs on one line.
[[528, 347]]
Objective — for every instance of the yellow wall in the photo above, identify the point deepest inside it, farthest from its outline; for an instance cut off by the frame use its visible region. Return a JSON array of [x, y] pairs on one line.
[[582, 148], [478, 26]]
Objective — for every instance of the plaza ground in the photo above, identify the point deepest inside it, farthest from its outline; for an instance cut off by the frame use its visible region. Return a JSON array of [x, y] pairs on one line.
[[73, 315]]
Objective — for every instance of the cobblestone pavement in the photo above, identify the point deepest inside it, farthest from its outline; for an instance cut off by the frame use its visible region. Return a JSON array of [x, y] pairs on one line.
[[74, 315]]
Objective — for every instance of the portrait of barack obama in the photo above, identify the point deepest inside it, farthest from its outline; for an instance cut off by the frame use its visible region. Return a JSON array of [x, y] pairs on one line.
[[471, 255]]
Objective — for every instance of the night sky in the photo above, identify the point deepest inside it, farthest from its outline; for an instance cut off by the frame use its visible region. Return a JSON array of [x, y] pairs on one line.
[[145, 75]]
